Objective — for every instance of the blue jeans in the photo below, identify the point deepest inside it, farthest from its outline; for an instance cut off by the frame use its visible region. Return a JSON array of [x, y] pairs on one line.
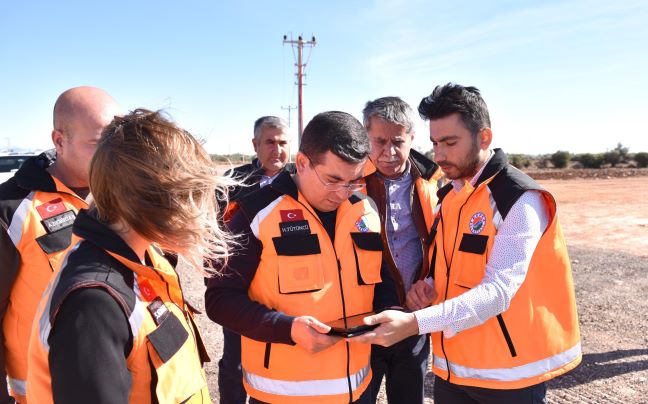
[[230, 377], [405, 365], [450, 393]]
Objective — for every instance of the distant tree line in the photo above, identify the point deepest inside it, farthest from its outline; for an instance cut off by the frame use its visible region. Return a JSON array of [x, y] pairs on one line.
[[236, 158], [619, 156]]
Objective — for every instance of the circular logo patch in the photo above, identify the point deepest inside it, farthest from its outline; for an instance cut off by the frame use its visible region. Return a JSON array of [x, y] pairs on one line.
[[477, 223]]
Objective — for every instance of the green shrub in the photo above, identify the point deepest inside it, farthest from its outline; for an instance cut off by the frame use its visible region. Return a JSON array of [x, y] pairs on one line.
[[589, 160], [612, 157], [560, 159], [519, 161], [641, 159]]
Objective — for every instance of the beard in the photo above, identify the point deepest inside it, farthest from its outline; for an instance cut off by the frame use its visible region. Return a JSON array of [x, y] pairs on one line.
[[466, 168]]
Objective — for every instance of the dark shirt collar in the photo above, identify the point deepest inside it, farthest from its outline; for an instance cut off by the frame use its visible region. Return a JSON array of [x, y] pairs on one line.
[[88, 226], [285, 184], [33, 174], [496, 163]]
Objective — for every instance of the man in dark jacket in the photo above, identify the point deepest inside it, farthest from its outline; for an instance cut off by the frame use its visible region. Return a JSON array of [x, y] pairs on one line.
[[404, 188], [271, 143]]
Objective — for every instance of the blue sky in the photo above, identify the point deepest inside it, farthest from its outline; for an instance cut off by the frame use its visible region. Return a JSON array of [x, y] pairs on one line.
[[567, 75]]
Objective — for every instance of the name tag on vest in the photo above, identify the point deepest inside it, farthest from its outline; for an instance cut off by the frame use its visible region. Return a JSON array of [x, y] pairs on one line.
[[59, 222], [294, 228], [158, 310]]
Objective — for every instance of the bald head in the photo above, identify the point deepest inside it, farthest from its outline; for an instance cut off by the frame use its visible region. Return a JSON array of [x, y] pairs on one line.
[[80, 114], [89, 104]]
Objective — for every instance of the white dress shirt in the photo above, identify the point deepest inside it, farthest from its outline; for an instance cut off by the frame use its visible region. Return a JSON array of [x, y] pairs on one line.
[[506, 268]]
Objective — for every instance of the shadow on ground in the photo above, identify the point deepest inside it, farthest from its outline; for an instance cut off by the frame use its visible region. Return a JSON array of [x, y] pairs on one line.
[[603, 365]]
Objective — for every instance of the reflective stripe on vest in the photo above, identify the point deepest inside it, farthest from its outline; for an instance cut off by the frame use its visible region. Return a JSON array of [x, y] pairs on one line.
[[306, 388], [17, 386], [137, 316], [15, 229], [533, 369], [256, 222], [44, 325]]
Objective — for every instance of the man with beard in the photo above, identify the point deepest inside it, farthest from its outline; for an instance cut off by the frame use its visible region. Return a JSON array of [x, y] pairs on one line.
[[502, 309]]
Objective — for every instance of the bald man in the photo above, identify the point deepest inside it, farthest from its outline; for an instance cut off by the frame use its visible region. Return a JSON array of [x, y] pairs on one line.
[[37, 208]]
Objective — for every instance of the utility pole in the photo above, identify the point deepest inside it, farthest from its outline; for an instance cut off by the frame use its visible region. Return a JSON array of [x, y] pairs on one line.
[[288, 108], [299, 44]]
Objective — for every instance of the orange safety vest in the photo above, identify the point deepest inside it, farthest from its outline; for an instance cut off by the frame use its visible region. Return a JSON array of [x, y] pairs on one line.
[[177, 367], [302, 273], [40, 229], [537, 337]]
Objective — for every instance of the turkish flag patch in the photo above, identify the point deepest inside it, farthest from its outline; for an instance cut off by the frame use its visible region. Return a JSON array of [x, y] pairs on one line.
[[51, 208], [292, 215], [146, 290]]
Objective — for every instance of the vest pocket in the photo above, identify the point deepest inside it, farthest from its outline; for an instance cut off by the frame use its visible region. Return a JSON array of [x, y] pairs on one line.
[[168, 337], [473, 243], [299, 263], [300, 274], [368, 273], [177, 371], [470, 260], [55, 242]]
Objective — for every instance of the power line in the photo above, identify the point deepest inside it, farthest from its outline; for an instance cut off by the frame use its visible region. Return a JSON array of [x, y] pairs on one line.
[[289, 108], [299, 43]]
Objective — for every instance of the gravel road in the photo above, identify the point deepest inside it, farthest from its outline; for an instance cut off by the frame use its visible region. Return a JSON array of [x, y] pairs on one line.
[[611, 290], [605, 223]]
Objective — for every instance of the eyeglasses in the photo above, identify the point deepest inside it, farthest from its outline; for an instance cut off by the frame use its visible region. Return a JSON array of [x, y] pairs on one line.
[[335, 186]]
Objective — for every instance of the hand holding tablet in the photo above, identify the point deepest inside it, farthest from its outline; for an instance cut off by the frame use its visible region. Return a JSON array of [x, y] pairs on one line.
[[354, 326]]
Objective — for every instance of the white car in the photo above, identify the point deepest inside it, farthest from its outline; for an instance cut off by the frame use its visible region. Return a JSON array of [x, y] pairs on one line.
[[10, 163]]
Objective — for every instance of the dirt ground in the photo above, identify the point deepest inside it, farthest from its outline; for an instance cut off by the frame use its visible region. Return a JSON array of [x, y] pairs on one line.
[[605, 221]]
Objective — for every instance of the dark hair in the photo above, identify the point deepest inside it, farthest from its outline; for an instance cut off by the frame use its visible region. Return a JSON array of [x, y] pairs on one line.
[[337, 132], [454, 98], [390, 109]]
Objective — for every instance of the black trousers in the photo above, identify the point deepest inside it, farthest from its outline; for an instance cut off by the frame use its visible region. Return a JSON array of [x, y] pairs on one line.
[[404, 365], [450, 393], [230, 377]]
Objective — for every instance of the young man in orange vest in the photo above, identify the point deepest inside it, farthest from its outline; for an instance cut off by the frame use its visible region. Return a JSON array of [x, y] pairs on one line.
[[310, 254], [500, 301], [37, 208]]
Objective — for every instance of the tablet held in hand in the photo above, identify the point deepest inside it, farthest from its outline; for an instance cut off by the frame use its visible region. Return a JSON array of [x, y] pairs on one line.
[[354, 326]]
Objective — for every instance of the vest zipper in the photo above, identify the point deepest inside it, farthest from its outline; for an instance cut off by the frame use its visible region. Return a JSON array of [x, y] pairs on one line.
[[266, 356], [448, 265], [339, 266], [348, 351], [507, 336]]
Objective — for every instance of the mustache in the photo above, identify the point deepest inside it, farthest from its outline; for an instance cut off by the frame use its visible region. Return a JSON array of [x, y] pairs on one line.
[[390, 160]]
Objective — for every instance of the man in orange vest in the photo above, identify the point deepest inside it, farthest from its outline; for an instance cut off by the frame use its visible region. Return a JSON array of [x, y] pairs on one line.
[[500, 301], [37, 208], [310, 254], [271, 143], [404, 188]]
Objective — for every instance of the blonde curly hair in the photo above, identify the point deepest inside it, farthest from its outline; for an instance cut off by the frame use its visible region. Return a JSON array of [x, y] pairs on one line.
[[157, 179]]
